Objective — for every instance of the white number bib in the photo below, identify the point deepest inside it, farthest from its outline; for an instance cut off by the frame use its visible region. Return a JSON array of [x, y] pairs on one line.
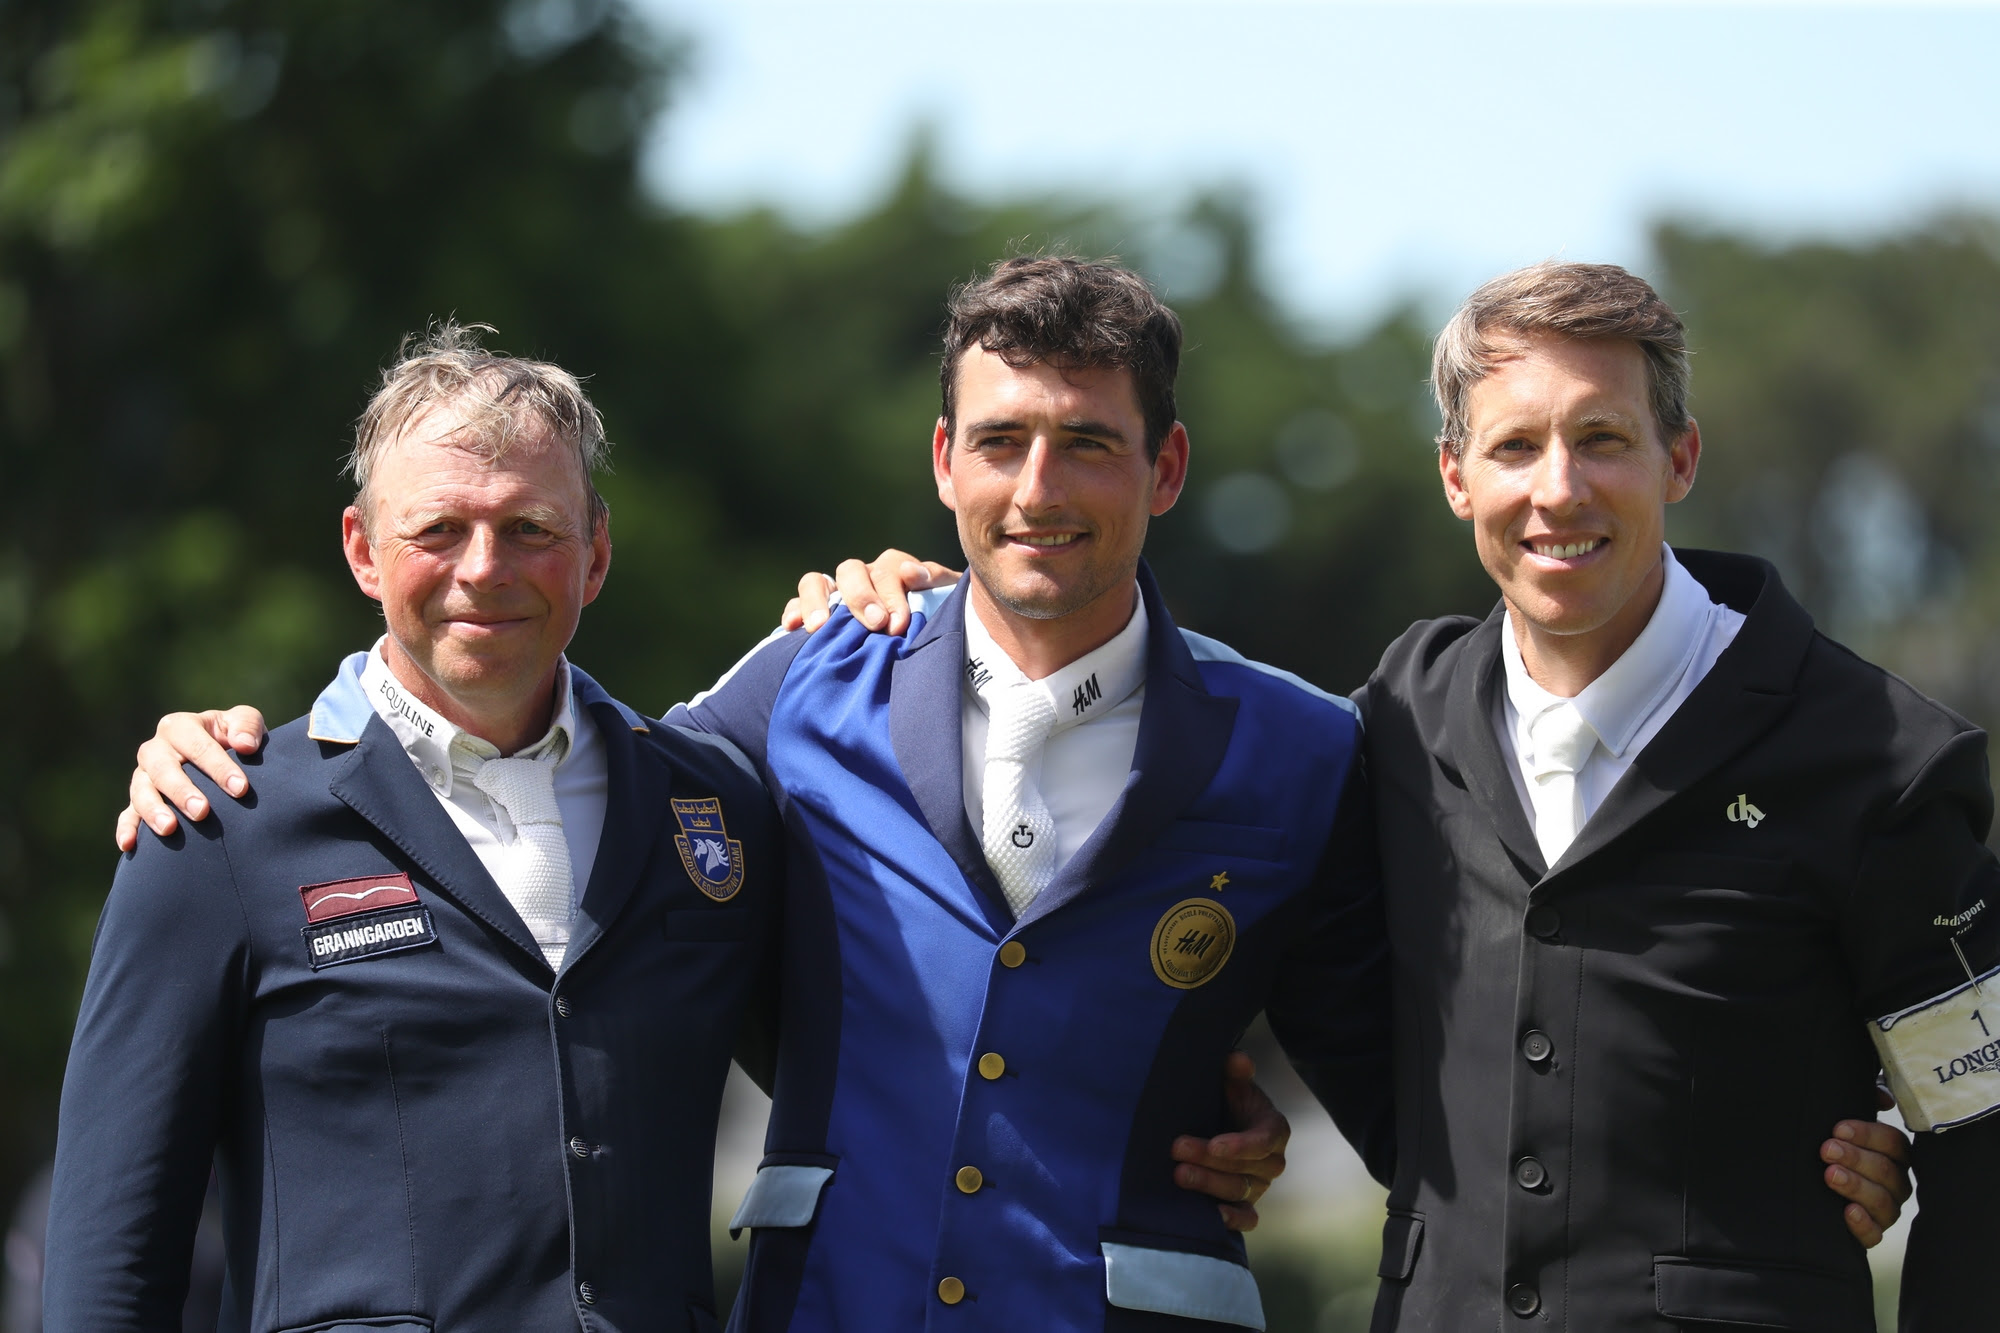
[[1943, 1056]]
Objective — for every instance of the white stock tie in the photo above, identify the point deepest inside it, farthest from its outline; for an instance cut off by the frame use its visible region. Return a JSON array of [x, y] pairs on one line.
[[1018, 834], [538, 881], [1562, 741]]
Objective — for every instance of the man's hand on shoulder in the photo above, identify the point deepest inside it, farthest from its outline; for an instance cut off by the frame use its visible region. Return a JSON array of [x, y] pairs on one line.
[[1237, 1168], [159, 785], [874, 592]]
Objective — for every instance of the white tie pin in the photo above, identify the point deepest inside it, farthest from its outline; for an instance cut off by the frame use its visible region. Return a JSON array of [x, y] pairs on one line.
[[1958, 925], [1966, 963]]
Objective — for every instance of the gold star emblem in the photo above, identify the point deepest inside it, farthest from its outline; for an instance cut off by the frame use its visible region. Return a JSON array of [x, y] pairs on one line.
[[1220, 882]]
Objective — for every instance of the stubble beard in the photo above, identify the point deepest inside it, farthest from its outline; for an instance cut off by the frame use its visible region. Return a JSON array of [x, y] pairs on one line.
[[1052, 601]]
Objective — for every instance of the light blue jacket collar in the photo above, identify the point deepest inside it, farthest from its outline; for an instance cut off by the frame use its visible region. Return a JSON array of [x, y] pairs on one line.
[[342, 711]]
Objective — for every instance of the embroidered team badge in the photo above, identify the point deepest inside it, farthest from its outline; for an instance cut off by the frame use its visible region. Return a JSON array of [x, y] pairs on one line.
[[713, 860], [1192, 942]]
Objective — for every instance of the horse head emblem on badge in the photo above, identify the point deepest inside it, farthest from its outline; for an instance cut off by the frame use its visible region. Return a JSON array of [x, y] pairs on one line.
[[712, 859]]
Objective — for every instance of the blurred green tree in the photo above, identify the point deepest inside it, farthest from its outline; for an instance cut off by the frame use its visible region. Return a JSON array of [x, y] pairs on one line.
[[1850, 404]]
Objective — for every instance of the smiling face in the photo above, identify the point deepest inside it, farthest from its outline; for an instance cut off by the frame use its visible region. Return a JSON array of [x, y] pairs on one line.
[[1565, 478], [482, 568], [1053, 488]]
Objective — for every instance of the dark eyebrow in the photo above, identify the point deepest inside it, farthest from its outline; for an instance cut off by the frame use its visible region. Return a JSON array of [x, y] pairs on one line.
[[1081, 426], [1098, 429], [1095, 429]]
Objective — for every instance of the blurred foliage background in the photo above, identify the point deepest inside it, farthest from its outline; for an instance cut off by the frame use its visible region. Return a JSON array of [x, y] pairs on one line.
[[218, 217]]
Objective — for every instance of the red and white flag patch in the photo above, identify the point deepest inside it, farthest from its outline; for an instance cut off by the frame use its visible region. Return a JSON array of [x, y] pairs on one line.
[[345, 897]]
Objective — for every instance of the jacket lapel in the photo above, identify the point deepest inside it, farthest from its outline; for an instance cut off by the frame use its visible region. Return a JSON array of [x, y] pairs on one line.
[[378, 782], [1475, 694], [634, 814], [1183, 733], [1743, 696], [927, 734]]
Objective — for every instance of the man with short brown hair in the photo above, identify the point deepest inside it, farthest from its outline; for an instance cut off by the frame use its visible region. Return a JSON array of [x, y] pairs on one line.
[[1665, 875]]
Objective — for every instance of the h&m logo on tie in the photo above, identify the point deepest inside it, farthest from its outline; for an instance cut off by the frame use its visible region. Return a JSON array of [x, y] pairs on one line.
[[1086, 694], [1740, 811]]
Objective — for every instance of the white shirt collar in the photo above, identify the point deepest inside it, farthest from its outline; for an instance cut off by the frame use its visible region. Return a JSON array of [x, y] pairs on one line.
[[1617, 703], [441, 748], [1089, 687]]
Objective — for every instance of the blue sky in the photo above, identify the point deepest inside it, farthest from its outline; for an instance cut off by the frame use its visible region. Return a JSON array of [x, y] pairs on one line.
[[1389, 150]]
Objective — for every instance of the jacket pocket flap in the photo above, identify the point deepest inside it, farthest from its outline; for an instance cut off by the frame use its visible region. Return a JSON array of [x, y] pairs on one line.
[[1761, 1296], [1192, 1286], [1713, 870], [781, 1196], [1210, 838], [395, 1323], [708, 923], [1402, 1237]]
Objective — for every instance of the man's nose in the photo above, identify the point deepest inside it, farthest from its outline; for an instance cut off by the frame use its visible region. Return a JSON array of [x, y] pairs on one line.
[[1038, 488], [483, 562], [1560, 483]]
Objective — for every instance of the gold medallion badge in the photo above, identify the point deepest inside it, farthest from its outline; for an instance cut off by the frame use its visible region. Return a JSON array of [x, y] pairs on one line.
[[1192, 942]]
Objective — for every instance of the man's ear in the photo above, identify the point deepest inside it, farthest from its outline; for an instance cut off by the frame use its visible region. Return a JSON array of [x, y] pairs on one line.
[[941, 465], [1682, 460], [1170, 470], [1451, 470], [360, 554], [600, 560]]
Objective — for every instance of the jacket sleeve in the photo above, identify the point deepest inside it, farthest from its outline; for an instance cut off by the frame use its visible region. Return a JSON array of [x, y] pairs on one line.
[[737, 709], [1923, 923], [1329, 1006], [738, 706], [757, 1039], [149, 1069]]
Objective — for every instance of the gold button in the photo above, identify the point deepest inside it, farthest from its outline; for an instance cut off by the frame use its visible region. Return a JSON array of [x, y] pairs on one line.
[[951, 1291], [969, 1180], [1013, 954], [991, 1065]]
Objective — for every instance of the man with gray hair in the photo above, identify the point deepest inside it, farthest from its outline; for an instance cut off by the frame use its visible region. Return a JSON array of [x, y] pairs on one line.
[[441, 1002]]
